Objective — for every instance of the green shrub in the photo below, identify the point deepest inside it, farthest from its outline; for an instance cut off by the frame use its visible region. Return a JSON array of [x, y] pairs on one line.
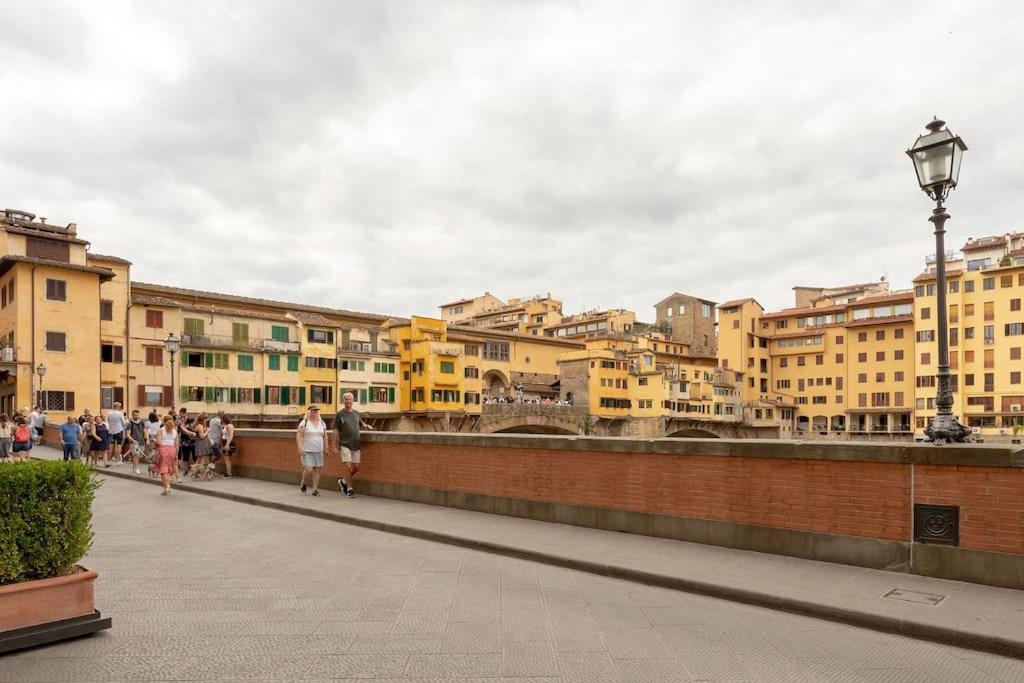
[[45, 518]]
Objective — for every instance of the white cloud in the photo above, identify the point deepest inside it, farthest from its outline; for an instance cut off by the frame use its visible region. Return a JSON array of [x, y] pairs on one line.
[[391, 156]]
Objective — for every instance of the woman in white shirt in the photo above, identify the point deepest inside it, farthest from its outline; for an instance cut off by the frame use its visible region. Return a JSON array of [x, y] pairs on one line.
[[311, 440], [167, 447]]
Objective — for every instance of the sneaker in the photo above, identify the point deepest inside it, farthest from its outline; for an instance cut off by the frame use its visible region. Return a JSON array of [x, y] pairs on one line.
[[315, 492], [343, 485], [350, 493], [302, 489]]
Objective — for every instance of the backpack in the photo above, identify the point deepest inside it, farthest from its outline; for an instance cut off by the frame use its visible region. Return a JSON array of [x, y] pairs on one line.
[[22, 434]]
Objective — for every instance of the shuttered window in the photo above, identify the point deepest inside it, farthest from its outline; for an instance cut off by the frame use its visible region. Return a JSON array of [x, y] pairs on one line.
[[154, 318], [36, 247], [154, 355], [56, 290], [56, 341]]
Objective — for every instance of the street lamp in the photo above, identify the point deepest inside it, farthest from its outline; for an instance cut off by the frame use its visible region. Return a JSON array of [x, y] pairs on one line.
[[40, 370], [173, 345], [937, 155]]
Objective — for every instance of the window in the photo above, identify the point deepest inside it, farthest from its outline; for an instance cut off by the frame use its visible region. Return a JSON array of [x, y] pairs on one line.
[[705, 310], [897, 333], [839, 358], [244, 362], [471, 373], [1014, 353], [496, 350], [862, 358], [1015, 377], [107, 310], [990, 310], [111, 395], [801, 360], [194, 327], [969, 286], [111, 353], [53, 250], [384, 368], [926, 359], [968, 356], [819, 400], [954, 287], [320, 336], [447, 367], [954, 336], [898, 399], [990, 334], [471, 350], [919, 290], [954, 313], [968, 333], [988, 283], [194, 359], [782, 384], [58, 401], [352, 364], [990, 358], [56, 290], [152, 395], [926, 335], [898, 376], [1013, 329], [862, 378], [325, 363], [879, 376], [968, 380], [839, 339], [879, 399], [862, 336], [1014, 304], [154, 319], [926, 314], [279, 333], [56, 341], [240, 332], [320, 394], [274, 362], [990, 381], [839, 383], [879, 355], [783, 362]]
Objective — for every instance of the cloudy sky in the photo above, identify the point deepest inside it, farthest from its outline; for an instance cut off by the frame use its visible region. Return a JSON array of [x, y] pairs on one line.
[[392, 156]]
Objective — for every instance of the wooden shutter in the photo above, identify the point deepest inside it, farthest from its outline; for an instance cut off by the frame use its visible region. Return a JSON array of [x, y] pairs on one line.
[[168, 399], [373, 341], [266, 393], [141, 395], [69, 401], [302, 396], [362, 397], [330, 337], [185, 393], [233, 395], [391, 394], [208, 359], [208, 394], [118, 354], [118, 395], [256, 395], [285, 391]]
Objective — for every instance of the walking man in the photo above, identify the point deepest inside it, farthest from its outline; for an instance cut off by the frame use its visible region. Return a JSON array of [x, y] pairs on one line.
[[115, 423], [346, 434], [71, 438], [37, 421]]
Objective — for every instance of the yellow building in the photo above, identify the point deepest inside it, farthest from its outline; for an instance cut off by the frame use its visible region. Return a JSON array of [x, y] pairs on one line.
[[986, 334], [463, 310], [50, 309], [592, 323]]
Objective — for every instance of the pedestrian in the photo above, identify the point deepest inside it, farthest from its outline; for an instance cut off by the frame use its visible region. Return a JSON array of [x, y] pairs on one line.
[[86, 416], [22, 444], [135, 433], [6, 438], [167, 447], [200, 435], [229, 446], [311, 440], [33, 419], [115, 423], [187, 450], [71, 439], [346, 433], [216, 430], [100, 439]]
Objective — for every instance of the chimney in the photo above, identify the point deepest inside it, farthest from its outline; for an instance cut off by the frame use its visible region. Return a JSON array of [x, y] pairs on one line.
[[42, 219], [72, 228]]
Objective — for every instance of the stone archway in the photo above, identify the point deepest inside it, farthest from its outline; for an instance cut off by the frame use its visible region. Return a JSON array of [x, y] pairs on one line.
[[496, 383], [693, 434]]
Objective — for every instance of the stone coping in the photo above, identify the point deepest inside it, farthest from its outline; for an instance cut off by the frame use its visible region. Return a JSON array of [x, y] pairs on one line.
[[987, 455]]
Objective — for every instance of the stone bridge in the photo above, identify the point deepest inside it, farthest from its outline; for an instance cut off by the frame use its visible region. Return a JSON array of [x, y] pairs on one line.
[[532, 418]]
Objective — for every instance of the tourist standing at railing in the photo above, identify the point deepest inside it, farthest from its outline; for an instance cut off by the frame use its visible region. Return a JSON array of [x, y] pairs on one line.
[[167, 448], [216, 430], [311, 441], [346, 433], [71, 439], [229, 446]]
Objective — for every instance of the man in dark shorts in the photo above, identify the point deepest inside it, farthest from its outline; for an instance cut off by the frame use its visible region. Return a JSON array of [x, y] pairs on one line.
[[346, 440]]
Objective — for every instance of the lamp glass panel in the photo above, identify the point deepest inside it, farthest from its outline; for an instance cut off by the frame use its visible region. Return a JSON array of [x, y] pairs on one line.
[[934, 164], [958, 156]]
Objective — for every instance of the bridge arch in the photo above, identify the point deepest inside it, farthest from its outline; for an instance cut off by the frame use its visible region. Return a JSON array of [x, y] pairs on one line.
[[693, 433], [496, 383], [531, 424]]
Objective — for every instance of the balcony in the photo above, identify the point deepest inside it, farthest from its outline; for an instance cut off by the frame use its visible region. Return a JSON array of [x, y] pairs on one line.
[[225, 341]]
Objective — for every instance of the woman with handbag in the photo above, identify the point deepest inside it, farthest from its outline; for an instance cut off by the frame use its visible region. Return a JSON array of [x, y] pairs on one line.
[[167, 446], [100, 440]]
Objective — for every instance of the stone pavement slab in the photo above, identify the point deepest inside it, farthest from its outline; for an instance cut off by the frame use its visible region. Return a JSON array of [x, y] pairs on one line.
[[969, 615], [202, 588]]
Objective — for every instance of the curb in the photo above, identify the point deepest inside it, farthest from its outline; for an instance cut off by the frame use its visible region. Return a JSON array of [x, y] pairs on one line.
[[914, 628]]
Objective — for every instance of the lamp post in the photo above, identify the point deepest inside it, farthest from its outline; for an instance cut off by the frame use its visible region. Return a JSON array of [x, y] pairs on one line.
[[173, 345], [937, 155], [40, 370]]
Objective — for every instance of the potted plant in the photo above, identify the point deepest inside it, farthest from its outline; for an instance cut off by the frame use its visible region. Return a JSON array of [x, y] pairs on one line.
[[45, 529]]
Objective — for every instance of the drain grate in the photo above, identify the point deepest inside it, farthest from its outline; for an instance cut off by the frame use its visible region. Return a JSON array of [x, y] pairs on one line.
[[916, 597]]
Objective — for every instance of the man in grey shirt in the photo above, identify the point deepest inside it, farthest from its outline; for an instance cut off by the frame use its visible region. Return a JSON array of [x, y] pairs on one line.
[[216, 433], [346, 439], [115, 423]]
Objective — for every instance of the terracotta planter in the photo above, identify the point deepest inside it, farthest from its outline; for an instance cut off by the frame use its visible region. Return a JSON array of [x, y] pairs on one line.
[[35, 612]]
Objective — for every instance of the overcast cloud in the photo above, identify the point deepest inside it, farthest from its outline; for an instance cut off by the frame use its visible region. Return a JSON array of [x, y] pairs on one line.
[[393, 156]]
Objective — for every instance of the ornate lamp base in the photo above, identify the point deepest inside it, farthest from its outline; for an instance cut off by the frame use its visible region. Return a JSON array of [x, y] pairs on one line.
[[945, 429]]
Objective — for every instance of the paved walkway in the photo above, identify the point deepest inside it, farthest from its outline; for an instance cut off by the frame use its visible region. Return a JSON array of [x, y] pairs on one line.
[[201, 587]]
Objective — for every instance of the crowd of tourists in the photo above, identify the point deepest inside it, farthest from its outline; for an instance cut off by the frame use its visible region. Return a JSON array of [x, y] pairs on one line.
[[178, 445], [546, 401]]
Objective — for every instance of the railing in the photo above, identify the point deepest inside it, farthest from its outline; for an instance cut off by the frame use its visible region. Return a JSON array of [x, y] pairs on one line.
[[224, 341], [524, 409]]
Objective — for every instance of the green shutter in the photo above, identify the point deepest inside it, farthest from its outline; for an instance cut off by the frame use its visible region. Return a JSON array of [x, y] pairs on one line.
[[293, 363], [208, 359], [285, 395], [233, 395], [330, 337], [362, 397], [266, 393], [391, 394], [344, 339], [245, 362], [184, 394], [256, 395], [302, 396], [274, 362], [279, 333], [208, 394]]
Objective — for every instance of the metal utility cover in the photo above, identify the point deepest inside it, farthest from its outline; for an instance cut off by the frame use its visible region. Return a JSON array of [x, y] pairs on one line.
[[929, 599]]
